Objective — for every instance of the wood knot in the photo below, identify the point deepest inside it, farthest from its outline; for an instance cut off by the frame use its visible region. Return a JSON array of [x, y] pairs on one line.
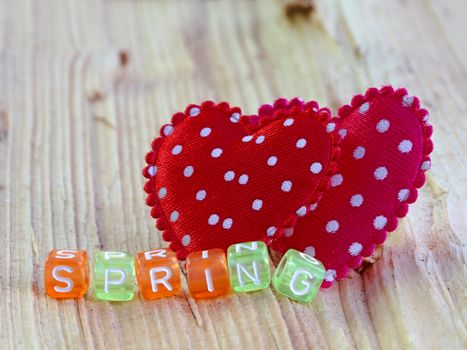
[[299, 9], [123, 57]]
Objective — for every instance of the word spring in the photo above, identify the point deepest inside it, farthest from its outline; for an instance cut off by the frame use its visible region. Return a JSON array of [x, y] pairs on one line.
[[210, 273]]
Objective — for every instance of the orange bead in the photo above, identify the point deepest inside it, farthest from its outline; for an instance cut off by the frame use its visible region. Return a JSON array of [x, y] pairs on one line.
[[158, 273], [208, 274], [66, 274]]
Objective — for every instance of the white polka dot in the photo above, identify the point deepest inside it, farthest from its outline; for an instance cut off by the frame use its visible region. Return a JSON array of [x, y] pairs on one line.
[[200, 195], [260, 139], [288, 232], [162, 192], [188, 171], [271, 231], [336, 180], [425, 117], [205, 132], [286, 186], [177, 149], [301, 143], [227, 223], [383, 125], [229, 175], [301, 211], [403, 195], [152, 170], [407, 100], [364, 107], [194, 111], [381, 173], [213, 219], [405, 146], [247, 138], [380, 222], [316, 168], [343, 133], [313, 206], [332, 226], [174, 216], [330, 127], [243, 179], [359, 152], [310, 250], [355, 249], [356, 200], [235, 117], [216, 152], [288, 122], [425, 165], [168, 129], [257, 204], [186, 239], [272, 160], [330, 275]]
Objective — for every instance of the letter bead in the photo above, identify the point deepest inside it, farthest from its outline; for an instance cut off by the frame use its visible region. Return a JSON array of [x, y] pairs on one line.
[[249, 266], [66, 274], [158, 273], [298, 276], [114, 276], [208, 275]]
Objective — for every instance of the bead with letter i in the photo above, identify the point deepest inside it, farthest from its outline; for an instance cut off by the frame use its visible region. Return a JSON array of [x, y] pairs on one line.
[[298, 276], [208, 274], [66, 274], [158, 273], [114, 276], [249, 266]]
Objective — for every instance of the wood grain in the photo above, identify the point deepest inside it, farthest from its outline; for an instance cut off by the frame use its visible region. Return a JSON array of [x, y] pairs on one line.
[[85, 86]]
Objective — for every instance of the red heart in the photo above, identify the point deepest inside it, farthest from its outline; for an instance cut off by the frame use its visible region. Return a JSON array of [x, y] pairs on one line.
[[384, 154], [215, 180]]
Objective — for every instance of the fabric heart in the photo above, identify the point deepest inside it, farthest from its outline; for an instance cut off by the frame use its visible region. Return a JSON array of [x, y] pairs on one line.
[[384, 154], [216, 178]]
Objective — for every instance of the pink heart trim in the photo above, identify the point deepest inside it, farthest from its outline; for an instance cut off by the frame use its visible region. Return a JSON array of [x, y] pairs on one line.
[[384, 155]]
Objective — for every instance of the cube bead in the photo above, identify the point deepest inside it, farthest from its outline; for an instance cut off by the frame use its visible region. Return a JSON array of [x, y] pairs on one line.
[[208, 275], [114, 276], [158, 273], [66, 274], [298, 276], [249, 266]]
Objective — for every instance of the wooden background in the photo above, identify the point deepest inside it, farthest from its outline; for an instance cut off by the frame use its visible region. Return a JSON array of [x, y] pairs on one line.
[[85, 86]]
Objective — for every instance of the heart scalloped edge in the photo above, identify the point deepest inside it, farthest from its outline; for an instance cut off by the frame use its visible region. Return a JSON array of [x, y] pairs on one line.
[[281, 109]]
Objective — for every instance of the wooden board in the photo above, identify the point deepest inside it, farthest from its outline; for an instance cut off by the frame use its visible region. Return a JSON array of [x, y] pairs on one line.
[[85, 85]]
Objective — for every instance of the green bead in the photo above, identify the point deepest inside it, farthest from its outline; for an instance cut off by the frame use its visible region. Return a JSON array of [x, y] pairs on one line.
[[249, 266], [114, 276], [298, 276]]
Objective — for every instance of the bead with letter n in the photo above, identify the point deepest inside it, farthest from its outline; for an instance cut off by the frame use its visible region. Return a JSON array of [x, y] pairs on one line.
[[249, 266]]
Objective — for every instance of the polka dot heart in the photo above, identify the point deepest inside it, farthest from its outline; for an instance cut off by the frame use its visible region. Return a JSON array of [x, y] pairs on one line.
[[224, 178], [384, 154]]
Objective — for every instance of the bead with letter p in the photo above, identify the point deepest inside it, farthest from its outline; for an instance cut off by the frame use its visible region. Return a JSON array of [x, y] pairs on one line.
[[114, 276]]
